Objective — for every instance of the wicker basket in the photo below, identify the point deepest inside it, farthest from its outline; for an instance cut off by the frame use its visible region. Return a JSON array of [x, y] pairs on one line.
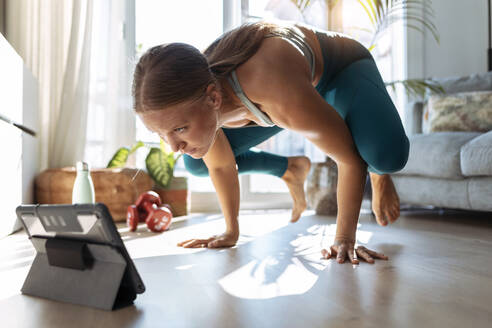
[[117, 188]]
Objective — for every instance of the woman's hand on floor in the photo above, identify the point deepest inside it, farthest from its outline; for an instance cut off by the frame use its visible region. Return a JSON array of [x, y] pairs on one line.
[[343, 249], [224, 240]]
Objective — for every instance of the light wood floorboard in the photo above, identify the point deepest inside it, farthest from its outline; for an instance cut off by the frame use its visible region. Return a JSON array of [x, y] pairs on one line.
[[439, 275]]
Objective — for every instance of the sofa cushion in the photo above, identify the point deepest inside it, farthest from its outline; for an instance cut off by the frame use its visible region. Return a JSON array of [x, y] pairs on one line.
[[436, 154], [480, 193], [473, 82], [418, 190], [468, 194], [476, 156], [464, 111]]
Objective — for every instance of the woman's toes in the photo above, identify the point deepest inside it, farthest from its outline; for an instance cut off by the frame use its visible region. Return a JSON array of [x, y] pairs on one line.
[[295, 217], [380, 218], [395, 213]]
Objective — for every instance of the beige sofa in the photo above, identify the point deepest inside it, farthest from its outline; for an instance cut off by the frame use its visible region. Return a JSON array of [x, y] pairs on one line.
[[448, 169]]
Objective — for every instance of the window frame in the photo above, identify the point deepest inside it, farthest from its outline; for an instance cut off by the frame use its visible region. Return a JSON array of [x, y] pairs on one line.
[[235, 13]]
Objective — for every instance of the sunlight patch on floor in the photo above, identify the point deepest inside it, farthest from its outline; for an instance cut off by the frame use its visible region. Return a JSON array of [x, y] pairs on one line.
[[184, 267], [143, 243], [268, 278], [289, 272]]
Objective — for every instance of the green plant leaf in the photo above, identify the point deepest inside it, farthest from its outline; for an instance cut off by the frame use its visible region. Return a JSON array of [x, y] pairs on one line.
[[367, 12], [166, 150], [164, 147], [372, 5], [417, 87], [136, 146], [382, 14], [177, 157], [301, 4], [119, 158], [158, 167]]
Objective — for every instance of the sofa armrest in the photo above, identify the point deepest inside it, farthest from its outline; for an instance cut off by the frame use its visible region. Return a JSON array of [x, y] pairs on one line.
[[413, 117]]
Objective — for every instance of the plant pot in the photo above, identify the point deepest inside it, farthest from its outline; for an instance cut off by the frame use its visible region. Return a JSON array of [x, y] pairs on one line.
[[321, 187], [176, 194], [117, 188]]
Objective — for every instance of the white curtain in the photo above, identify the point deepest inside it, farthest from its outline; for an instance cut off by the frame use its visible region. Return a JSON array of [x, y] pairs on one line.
[[111, 122], [54, 39]]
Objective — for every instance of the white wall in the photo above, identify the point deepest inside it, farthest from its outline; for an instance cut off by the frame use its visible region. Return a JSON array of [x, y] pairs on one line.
[[462, 26], [19, 163]]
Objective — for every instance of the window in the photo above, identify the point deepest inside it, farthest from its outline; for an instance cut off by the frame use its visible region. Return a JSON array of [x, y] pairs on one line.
[[110, 121], [199, 22], [388, 52], [185, 21], [286, 143], [342, 17], [195, 22]]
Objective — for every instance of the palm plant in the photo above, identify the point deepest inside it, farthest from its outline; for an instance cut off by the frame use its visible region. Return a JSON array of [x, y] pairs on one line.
[[384, 13]]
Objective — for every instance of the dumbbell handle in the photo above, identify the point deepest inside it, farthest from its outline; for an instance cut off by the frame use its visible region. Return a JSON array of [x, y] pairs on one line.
[[149, 207]]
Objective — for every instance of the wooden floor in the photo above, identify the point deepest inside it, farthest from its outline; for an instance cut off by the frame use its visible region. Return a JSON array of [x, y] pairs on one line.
[[439, 275]]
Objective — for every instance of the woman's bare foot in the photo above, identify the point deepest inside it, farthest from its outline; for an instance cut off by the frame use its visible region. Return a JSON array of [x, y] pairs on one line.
[[297, 171], [385, 200]]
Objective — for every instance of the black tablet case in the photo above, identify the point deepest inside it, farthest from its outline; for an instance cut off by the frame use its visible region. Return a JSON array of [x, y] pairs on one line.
[[79, 272]]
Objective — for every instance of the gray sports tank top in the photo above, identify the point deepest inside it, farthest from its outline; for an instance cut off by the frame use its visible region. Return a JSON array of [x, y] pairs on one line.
[[295, 39]]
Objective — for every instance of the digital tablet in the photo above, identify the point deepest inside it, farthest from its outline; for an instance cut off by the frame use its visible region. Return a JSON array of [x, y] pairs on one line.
[[91, 223]]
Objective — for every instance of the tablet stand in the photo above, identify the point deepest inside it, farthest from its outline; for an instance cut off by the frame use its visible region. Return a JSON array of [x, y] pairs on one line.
[[73, 271]]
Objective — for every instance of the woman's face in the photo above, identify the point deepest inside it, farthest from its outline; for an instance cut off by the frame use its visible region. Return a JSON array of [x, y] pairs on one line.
[[190, 126]]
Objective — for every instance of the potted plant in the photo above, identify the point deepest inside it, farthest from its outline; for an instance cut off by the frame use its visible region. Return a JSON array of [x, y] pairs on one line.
[[160, 163]]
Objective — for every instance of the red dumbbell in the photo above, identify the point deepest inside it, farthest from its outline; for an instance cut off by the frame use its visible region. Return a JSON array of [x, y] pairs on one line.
[[132, 217], [148, 208]]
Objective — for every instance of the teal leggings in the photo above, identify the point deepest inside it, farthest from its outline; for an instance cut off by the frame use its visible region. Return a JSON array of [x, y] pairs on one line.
[[359, 96]]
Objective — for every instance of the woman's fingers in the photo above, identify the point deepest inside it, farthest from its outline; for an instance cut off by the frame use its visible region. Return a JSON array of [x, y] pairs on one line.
[[365, 256], [333, 251], [373, 253], [195, 243], [180, 244], [212, 242], [325, 253], [352, 256], [377, 255], [341, 253], [345, 251]]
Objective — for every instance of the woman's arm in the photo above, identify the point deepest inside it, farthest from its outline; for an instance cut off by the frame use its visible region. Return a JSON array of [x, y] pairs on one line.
[[327, 130], [277, 78], [221, 164], [321, 124], [292, 103], [222, 168]]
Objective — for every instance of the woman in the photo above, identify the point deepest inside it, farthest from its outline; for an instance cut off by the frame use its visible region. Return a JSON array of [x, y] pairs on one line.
[[264, 78]]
